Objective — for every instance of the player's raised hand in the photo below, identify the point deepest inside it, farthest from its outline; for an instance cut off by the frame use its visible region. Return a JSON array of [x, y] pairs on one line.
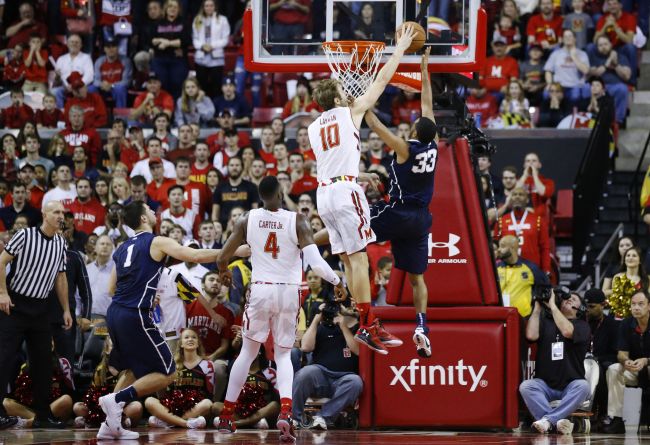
[[404, 38], [340, 293], [424, 63], [226, 277]]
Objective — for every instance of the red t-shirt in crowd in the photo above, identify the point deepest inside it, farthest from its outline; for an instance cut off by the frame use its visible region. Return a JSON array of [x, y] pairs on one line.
[[303, 185], [627, 22], [95, 115], [88, 138], [540, 202], [25, 33], [87, 216], [542, 29], [35, 72], [268, 159], [17, 116], [210, 333], [200, 174], [486, 105], [49, 119], [309, 155], [164, 101], [496, 72], [197, 198], [532, 231], [215, 141], [111, 72], [159, 192]]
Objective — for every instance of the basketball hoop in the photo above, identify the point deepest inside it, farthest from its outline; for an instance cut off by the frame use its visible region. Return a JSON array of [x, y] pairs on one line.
[[355, 63]]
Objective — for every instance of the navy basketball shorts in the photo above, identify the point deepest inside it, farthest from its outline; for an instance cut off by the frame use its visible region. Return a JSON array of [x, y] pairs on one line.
[[407, 228], [138, 344]]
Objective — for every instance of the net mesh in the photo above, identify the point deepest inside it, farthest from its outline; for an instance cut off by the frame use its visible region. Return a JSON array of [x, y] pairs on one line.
[[354, 63]]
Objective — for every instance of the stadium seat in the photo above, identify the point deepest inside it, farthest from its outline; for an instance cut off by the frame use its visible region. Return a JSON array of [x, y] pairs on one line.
[[564, 214], [264, 115]]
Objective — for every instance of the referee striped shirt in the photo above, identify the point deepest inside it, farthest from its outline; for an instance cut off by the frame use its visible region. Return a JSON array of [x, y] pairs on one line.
[[38, 259]]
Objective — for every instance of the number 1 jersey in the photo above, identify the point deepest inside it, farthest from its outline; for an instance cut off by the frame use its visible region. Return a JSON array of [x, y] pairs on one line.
[[137, 272], [274, 245], [335, 142], [411, 183]]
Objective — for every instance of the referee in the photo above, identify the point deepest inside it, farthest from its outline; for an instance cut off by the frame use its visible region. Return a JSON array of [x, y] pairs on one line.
[[36, 256]]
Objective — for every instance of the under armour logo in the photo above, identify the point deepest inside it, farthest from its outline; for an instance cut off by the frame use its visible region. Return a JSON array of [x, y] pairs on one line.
[[450, 245]]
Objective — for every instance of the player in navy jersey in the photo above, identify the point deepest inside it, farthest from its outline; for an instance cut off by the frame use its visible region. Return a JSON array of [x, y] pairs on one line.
[[138, 345]]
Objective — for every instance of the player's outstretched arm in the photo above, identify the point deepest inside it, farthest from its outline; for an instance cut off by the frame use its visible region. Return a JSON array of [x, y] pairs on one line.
[[162, 246], [311, 256], [398, 144], [368, 99], [426, 98], [235, 239]]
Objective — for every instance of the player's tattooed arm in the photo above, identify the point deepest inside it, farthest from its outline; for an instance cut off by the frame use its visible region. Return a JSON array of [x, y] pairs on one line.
[[235, 239]]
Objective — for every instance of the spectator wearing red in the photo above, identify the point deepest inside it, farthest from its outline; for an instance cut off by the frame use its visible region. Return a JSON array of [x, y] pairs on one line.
[[20, 31], [302, 180], [201, 164], [196, 196], [545, 27], [498, 69], [95, 115], [35, 192], [281, 155], [304, 147], [483, 106], [113, 73], [539, 188], [77, 134], [81, 167], [19, 206], [142, 167], [88, 212], [14, 68], [148, 104], [226, 121], [74, 60], [35, 59], [376, 154], [267, 143], [299, 102], [49, 116], [620, 27], [181, 215], [157, 188], [18, 113], [405, 107], [230, 150], [185, 146], [529, 227], [129, 153]]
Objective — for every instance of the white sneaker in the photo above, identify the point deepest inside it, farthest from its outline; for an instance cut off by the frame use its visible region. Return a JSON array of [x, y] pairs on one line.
[[196, 423], [262, 424], [318, 423], [79, 422], [542, 425], [155, 422], [113, 411], [107, 433], [20, 424], [564, 426], [422, 343]]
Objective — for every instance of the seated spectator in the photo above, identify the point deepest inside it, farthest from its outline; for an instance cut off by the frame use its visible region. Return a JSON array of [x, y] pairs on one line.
[[210, 35], [145, 33], [73, 60], [281, 155], [201, 165], [32, 155], [226, 121], [620, 27], [35, 191], [101, 191], [532, 74], [554, 108], [299, 102], [139, 193], [185, 146], [545, 27], [580, 23], [8, 158], [196, 194], [19, 32], [208, 239], [568, 66], [114, 226], [599, 100], [484, 163], [405, 107], [99, 272], [113, 74], [77, 133], [233, 192], [304, 147], [170, 40], [64, 191], [81, 167], [368, 26], [178, 213], [35, 60], [506, 29], [162, 130], [154, 149], [49, 116], [119, 190], [301, 179], [257, 172], [540, 189], [498, 69], [483, 106], [157, 188], [148, 104], [334, 369], [230, 149], [87, 210], [236, 105], [19, 206], [193, 107], [92, 104], [18, 113], [632, 357], [515, 101], [277, 125]]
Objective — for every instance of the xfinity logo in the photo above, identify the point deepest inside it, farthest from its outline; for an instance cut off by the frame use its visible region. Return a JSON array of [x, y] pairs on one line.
[[452, 250], [438, 375]]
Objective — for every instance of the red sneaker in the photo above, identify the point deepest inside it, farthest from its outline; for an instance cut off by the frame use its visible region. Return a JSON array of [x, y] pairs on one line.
[[224, 425], [385, 337], [285, 425], [367, 337]]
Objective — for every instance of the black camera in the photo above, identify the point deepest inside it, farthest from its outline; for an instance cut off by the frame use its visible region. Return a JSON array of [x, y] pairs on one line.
[[543, 292], [330, 311]]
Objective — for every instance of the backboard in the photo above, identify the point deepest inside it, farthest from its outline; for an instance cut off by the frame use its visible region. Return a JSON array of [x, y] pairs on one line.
[[274, 42]]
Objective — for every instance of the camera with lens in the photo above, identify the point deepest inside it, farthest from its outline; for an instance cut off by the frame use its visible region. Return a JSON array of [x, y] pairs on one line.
[[543, 292], [330, 311]]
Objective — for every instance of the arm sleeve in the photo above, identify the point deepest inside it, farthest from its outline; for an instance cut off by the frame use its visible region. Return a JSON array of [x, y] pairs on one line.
[[311, 256], [16, 244]]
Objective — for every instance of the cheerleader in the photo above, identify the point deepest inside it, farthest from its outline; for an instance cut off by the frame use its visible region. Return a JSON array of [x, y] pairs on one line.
[[632, 278], [187, 400], [88, 412], [19, 402], [259, 399]]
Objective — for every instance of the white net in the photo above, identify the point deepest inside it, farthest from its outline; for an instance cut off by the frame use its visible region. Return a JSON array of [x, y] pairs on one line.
[[355, 64]]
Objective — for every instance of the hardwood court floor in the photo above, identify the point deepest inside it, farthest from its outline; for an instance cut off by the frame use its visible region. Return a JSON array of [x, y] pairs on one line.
[[307, 437]]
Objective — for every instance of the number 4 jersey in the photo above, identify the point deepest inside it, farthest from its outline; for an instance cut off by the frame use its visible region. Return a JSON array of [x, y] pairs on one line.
[[274, 245], [335, 142], [411, 183], [137, 272]]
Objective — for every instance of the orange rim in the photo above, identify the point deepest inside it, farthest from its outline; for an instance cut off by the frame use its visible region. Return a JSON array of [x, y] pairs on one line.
[[348, 45]]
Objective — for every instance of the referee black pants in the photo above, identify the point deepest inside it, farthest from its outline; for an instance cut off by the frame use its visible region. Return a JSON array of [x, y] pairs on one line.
[[35, 330]]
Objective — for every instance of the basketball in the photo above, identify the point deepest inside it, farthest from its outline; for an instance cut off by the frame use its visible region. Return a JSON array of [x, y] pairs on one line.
[[419, 36]]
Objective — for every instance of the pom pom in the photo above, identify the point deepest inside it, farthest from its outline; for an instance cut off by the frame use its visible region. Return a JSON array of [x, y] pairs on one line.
[[95, 415], [178, 402], [622, 290], [250, 401]]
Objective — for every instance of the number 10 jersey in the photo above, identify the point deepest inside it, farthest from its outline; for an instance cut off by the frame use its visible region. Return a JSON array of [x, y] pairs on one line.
[[274, 245]]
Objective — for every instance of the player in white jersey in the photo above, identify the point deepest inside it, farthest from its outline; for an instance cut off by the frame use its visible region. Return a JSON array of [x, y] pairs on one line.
[[342, 204], [276, 238]]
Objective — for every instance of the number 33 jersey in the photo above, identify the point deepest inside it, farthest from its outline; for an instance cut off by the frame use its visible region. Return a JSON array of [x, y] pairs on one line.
[[274, 245], [335, 141], [137, 273], [411, 183]]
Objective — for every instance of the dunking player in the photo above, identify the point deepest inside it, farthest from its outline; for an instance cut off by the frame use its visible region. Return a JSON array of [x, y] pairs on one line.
[[276, 237], [334, 137], [138, 345]]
